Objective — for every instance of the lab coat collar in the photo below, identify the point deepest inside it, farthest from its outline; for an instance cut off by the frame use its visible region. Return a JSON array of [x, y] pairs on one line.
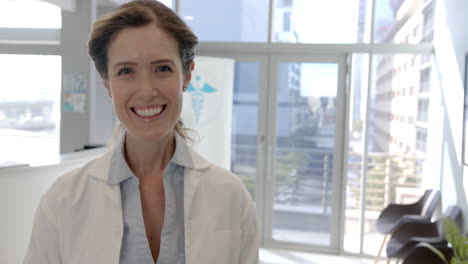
[[183, 155]]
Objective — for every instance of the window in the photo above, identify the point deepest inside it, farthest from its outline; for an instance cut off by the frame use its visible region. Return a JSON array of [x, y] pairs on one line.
[[331, 21], [287, 22], [228, 20], [392, 14], [416, 31], [285, 3], [29, 108], [244, 123], [423, 110], [421, 139], [428, 25], [30, 84], [395, 156], [29, 21], [29, 14], [303, 156], [425, 80]]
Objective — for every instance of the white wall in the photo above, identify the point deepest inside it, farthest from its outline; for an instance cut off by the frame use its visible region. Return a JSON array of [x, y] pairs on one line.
[[451, 44], [74, 126], [102, 118]]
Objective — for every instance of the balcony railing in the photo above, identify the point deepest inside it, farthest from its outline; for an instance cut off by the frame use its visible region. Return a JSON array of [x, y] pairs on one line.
[[387, 175], [304, 176]]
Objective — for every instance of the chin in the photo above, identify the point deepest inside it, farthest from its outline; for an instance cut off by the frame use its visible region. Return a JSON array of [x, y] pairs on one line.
[[150, 135]]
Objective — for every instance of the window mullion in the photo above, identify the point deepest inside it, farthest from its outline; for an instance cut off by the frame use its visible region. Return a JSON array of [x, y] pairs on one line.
[[270, 20]]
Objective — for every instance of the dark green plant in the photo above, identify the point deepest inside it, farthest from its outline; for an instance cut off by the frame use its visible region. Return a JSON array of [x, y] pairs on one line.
[[458, 242]]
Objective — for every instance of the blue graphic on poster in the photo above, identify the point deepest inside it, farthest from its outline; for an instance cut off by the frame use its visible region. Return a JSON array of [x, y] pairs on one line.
[[74, 98], [198, 95]]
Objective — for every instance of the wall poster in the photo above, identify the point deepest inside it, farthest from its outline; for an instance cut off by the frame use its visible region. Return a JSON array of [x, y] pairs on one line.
[[207, 108]]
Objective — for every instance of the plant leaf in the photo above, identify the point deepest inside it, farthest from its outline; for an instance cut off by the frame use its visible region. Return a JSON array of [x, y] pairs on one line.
[[435, 250], [452, 234], [463, 251]]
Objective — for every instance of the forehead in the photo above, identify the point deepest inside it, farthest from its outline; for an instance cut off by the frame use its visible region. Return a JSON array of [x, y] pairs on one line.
[[148, 42]]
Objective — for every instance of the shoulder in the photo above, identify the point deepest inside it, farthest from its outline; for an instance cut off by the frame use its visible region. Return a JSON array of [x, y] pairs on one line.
[[213, 175], [75, 184], [221, 184], [221, 175]]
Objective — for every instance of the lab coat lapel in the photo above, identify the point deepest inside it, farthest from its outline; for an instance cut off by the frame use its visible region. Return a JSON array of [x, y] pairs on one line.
[[191, 182], [109, 224]]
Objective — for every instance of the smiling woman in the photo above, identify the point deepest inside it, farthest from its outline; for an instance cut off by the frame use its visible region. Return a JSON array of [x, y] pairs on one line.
[[150, 198], [145, 77]]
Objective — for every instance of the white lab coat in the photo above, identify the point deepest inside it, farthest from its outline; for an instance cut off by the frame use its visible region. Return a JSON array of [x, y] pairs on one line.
[[79, 219]]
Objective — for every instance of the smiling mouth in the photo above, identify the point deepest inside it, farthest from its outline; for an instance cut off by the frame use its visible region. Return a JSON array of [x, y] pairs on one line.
[[148, 112]]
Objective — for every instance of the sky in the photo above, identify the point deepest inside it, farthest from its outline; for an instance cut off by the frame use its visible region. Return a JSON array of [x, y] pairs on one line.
[[319, 79], [331, 21]]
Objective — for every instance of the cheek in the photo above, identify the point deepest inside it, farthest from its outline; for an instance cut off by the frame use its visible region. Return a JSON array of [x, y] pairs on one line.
[[180, 96], [119, 95], [175, 91], [181, 101], [178, 101]]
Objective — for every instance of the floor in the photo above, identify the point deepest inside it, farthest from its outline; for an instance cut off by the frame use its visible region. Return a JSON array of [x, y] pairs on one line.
[[275, 256]]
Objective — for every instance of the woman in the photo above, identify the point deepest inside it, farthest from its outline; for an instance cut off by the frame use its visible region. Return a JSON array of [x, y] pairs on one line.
[[151, 198]]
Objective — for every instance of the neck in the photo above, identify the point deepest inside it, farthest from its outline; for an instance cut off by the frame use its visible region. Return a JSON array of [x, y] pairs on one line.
[[149, 159]]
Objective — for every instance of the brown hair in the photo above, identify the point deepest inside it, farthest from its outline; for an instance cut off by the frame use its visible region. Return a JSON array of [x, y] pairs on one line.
[[135, 14]]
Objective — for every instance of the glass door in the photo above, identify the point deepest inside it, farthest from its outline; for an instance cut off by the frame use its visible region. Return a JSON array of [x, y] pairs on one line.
[[305, 146]]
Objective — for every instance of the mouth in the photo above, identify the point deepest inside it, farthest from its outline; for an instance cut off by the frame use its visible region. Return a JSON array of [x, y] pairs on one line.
[[148, 112]]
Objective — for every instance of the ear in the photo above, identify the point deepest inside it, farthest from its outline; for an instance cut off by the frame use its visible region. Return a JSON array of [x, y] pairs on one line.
[[107, 86], [188, 76]]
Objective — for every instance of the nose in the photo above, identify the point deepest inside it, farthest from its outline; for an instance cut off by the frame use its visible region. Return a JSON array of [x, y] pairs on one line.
[[147, 86]]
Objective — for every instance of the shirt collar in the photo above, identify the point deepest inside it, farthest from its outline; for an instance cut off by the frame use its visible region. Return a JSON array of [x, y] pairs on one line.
[[119, 170]]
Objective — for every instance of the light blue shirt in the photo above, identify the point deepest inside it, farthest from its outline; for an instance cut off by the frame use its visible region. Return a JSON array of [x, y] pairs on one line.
[[135, 247]]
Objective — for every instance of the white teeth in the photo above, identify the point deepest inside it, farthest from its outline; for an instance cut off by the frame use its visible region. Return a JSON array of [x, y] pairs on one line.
[[149, 111]]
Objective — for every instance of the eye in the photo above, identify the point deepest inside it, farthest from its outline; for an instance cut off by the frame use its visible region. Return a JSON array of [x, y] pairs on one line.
[[125, 71], [163, 68]]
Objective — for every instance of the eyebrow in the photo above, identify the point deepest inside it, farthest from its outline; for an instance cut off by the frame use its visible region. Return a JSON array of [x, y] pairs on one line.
[[152, 63]]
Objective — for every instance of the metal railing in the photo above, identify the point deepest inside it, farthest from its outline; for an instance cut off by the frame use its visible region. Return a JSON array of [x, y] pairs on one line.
[[385, 175], [304, 176]]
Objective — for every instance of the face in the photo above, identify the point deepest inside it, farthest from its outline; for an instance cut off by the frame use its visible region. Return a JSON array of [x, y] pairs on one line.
[[146, 81]]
